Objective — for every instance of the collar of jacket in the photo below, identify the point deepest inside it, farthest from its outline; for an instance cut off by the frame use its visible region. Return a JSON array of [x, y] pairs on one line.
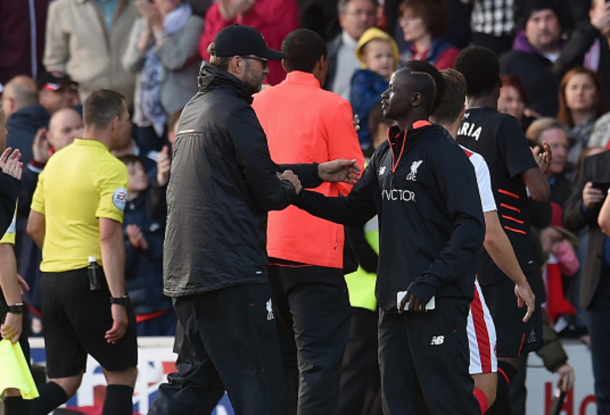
[[521, 44], [211, 77], [302, 78]]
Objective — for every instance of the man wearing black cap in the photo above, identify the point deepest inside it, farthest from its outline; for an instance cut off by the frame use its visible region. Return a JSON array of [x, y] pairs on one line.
[[57, 90], [223, 182]]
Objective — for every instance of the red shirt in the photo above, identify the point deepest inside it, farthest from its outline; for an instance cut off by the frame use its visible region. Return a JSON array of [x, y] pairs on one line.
[[273, 18]]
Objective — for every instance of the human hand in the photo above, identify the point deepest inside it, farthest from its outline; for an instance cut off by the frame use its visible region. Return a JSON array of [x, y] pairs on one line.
[[119, 323], [149, 11], [525, 296], [566, 377], [136, 237], [292, 178], [12, 326], [163, 166], [415, 304], [340, 170], [40, 146], [10, 164], [591, 196], [356, 123], [229, 9], [543, 159], [23, 286]]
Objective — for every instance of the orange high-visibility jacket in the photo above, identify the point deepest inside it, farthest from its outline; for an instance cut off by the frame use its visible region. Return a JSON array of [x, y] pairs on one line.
[[306, 124]]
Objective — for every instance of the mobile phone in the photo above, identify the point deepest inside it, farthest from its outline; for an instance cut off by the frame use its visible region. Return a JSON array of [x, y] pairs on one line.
[[557, 403], [603, 186], [401, 294]]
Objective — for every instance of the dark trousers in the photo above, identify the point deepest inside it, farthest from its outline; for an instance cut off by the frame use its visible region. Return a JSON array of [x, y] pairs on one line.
[[312, 309], [228, 341], [424, 360], [360, 379], [599, 330]]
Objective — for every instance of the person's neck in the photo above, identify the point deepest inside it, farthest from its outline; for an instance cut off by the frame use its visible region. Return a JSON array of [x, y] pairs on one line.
[[485, 101], [550, 49], [407, 122], [452, 128], [581, 117], [103, 136], [424, 44]]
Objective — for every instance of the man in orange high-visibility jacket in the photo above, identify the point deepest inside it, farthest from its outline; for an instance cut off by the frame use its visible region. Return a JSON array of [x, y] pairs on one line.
[[306, 124]]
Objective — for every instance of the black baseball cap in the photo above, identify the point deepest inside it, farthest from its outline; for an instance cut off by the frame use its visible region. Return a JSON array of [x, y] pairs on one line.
[[241, 40], [55, 80]]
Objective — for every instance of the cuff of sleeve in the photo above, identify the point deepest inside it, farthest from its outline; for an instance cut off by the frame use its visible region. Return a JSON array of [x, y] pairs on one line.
[[422, 291]]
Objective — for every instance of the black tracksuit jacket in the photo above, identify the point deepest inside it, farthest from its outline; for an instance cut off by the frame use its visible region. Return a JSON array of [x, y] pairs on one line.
[[430, 218]]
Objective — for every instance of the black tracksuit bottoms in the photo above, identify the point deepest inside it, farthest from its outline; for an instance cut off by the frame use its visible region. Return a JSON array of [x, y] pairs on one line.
[[228, 341], [312, 309], [424, 360]]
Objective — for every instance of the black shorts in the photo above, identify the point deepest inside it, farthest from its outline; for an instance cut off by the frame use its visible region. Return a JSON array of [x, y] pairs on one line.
[[514, 337], [75, 321]]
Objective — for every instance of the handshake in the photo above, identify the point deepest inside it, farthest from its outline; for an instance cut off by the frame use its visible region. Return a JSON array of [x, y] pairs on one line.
[[340, 170]]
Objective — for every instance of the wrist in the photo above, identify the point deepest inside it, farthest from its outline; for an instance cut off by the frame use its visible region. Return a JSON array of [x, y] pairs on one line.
[[17, 308], [124, 300]]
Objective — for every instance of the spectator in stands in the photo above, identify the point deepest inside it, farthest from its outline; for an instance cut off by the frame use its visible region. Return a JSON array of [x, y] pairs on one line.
[[580, 104], [86, 39], [554, 133], [600, 136], [493, 25], [423, 23], [162, 52], [274, 19], [25, 114], [321, 16], [513, 100], [355, 17], [378, 57], [583, 208], [22, 26], [144, 257]]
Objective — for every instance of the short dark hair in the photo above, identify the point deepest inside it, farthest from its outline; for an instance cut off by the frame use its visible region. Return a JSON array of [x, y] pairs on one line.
[[438, 83], [342, 5], [128, 159], [303, 49], [434, 14], [221, 62], [101, 107], [453, 99], [481, 68]]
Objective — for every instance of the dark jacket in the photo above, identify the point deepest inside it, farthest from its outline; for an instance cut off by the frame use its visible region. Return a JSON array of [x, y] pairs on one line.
[[575, 217], [222, 184], [144, 268], [333, 50], [22, 127], [367, 87], [429, 231], [9, 191]]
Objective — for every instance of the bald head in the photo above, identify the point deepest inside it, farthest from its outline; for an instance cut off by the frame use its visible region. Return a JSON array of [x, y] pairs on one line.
[[20, 92], [64, 126]]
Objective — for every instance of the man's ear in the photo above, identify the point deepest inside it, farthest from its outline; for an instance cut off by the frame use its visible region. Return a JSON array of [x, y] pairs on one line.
[[463, 112], [236, 66], [416, 99]]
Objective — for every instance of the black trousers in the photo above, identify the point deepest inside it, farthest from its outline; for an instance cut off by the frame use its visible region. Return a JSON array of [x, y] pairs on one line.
[[312, 310], [424, 361], [228, 341], [360, 379]]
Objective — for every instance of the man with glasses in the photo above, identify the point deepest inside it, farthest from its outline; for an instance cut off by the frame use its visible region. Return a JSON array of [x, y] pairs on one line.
[[355, 17], [222, 184]]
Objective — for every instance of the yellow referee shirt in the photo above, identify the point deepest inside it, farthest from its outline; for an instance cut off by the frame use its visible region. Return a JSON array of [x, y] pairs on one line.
[[80, 183]]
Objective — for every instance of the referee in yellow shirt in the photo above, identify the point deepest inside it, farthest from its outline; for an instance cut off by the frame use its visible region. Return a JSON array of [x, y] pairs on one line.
[[76, 217]]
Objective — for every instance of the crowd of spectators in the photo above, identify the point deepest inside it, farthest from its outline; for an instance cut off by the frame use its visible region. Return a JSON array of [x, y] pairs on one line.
[[554, 60]]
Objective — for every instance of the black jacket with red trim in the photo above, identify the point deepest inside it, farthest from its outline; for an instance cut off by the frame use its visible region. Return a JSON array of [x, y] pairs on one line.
[[430, 219]]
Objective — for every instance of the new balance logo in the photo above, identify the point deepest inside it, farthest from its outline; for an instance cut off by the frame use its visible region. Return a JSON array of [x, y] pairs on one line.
[[532, 337], [382, 170], [269, 306], [437, 340]]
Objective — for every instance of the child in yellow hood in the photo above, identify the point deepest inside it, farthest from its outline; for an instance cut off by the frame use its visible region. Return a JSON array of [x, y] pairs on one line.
[[378, 57]]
